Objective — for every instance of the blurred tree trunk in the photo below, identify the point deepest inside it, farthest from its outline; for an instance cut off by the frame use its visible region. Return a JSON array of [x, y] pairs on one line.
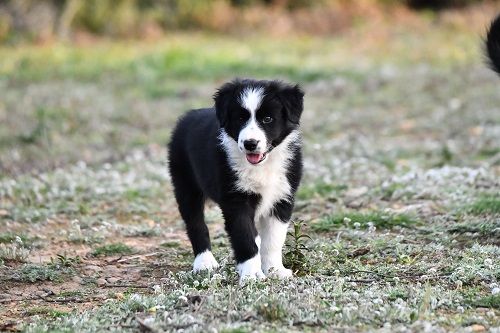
[[66, 18]]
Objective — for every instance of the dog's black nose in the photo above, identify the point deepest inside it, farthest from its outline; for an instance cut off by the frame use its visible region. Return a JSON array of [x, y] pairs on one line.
[[251, 144]]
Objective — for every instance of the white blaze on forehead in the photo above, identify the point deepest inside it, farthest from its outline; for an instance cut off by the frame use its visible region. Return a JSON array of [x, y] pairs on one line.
[[251, 98]]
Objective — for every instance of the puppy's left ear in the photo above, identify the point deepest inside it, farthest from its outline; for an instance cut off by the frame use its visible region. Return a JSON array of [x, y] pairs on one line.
[[292, 98], [222, 99]]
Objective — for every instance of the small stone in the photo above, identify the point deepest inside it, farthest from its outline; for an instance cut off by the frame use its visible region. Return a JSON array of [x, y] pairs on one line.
[[101, 297], [77, 279], [101, 282], [93, 268], [112, 280], [112, 270], [5, 296], [119, 296], [356, 192], [478, 328]]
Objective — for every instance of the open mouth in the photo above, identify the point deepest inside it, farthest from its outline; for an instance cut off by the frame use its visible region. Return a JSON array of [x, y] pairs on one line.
[[256, 158]]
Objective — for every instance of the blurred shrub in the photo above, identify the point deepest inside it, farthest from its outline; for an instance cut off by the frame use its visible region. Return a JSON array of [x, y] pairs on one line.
[[43, 19]]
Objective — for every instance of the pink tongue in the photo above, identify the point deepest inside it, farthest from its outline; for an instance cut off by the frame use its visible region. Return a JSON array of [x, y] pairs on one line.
[[254, 158]]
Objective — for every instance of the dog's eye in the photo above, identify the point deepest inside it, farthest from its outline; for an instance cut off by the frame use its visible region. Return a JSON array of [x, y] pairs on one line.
[[243, 115], [267, 120]]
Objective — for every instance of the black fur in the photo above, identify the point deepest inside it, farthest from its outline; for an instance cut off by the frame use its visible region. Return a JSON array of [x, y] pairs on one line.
[[200, 168], [493, 45]]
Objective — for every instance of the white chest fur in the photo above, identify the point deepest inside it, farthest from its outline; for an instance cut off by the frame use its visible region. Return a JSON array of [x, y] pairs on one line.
[[267, 179]]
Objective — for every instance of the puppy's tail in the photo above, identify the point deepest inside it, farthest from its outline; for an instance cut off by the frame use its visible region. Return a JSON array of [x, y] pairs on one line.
[[493, 45]]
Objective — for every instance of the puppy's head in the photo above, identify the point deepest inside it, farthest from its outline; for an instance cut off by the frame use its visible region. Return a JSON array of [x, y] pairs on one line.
[[258, 115]]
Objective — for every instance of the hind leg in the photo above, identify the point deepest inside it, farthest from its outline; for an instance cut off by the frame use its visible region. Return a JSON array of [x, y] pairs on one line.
[[191, 204]]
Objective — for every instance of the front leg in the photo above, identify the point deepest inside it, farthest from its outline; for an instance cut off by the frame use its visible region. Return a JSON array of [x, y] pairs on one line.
[[239, 221], [273, 236], [273, 232]]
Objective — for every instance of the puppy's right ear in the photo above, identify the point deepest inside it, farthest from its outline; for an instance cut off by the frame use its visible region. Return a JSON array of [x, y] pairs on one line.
[[222, 99]]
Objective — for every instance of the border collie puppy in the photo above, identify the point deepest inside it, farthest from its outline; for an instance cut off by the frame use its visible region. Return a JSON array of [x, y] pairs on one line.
[[493, 45], [245, 155]]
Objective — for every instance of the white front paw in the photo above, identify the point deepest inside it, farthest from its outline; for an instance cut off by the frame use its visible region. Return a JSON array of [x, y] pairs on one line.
[[280, 272], [204, 261], [250, 269]]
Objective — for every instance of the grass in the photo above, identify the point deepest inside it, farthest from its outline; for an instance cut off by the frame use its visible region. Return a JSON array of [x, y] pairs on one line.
[[178, 57], [45, 272], [272, 311], [486, 204], [482, 228], [379, 220], [13, 252], [46, 312], [10, 237], [112, 250], [491, 301], [319, 189]]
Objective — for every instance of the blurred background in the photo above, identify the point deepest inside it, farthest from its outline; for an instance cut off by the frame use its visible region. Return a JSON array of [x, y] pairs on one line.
[[80, 20], [90, 80]]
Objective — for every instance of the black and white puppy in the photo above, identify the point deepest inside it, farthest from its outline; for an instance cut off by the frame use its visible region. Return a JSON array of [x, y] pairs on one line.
[[493, 45], [245, 155]]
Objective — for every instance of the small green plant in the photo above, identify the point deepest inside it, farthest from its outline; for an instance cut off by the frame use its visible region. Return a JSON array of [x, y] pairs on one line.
[[41, 130], [65, 261], [112, 249], [13, 252], [14, 247], [295, 257], [272, 311]]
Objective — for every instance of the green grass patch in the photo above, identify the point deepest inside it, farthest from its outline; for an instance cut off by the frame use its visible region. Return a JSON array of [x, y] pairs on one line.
[[46, 312], [170, 244], [9, 237], [492, 301], [320, 189], [487, 228], [487, 204], [112, 249], [488, 152], [272, 311], [48, 272], [71, 293], [397, 293], [363, 220]]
